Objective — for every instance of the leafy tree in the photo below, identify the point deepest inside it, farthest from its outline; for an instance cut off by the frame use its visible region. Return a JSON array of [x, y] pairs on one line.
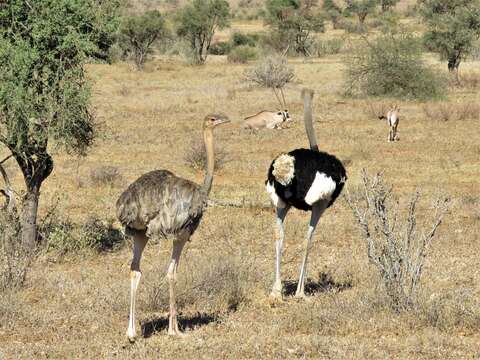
[[392, 65], [361, 8], [198, 21], [332, 11], [44, 92], [386, 5], [294, 21], [141, 32], [453, 28]]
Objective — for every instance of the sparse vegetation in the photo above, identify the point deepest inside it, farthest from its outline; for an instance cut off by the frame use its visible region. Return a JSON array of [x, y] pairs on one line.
[[44, 93], [74, 300], [293, 23], [140, 32], [15, 258], [196, 155], [273, 73], [198, 21], [361, 8], [328, 47], [445, 111], [392, 65], [397, 248], [65, 237], [106, 175], [242, 54], [453, 28]]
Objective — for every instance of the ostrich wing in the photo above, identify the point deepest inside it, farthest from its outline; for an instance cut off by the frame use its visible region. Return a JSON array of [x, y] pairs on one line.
[[161, 203]]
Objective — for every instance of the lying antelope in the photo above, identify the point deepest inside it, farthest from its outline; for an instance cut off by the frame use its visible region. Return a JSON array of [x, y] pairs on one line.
[[266, 119], [392, 121]]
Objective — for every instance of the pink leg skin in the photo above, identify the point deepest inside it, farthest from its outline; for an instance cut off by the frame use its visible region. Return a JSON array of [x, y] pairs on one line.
[[178, 245], [139, 242]]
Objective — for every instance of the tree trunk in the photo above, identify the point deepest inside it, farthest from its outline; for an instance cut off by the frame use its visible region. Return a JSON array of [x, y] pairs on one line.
[[453, 64], [29, 218]]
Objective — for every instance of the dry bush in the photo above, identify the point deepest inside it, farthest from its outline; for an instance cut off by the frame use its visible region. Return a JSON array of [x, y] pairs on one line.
[[196, 155], [397, 248], [470, 80], [454, 309], [375, 109], [15, 259], [209, 285], [445, 111], [274, 73], [106, 175]]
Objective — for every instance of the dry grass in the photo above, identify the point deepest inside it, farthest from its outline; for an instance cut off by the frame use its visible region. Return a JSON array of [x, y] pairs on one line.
[[196, 155], [448, 111], [106, 175], [77, 307]]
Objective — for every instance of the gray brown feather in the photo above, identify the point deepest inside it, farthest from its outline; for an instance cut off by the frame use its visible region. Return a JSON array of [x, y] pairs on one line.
[[161, 204]]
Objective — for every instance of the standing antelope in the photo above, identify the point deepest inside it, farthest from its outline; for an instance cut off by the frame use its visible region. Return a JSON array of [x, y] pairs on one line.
[[392, 120], [266, 119]]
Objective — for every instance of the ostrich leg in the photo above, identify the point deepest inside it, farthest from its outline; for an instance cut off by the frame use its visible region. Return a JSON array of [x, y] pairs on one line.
[[317, 211], [139, 242], [178, 245], [280, 237]]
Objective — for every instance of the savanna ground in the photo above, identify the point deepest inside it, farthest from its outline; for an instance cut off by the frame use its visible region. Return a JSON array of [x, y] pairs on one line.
[[76, 306]]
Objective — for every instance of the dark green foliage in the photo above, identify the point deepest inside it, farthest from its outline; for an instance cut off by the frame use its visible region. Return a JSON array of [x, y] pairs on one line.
[[197, 23], [220, 48], [453, 28], [44, 93], [242, 54], [392, 65], [332, 11], [62, 236], [141, 32], [328, 47], [387, 5], [239, 38], [292, 22], [361, 8]]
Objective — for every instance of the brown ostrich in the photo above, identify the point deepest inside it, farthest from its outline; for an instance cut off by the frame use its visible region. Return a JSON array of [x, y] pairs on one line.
[[161, 205]]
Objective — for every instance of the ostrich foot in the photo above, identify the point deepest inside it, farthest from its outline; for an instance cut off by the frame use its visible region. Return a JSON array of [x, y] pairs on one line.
[[131, 335], [300, 295], [277, 292]]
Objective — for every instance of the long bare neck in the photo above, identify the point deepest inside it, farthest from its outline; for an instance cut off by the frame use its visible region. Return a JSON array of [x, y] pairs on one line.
[[207, 182], [307, 95]]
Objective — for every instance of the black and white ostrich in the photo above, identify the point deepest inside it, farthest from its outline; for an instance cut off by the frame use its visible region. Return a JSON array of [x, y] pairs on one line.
[[306, 179]]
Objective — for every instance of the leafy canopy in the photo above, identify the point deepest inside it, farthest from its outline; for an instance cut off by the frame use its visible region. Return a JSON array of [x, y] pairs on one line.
[[294, 21], [198, 21], [453, 27], [392, 65], [141, 32], [44, 93]]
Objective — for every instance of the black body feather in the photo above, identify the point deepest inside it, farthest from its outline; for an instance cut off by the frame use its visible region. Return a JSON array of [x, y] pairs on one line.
[[307, 164]]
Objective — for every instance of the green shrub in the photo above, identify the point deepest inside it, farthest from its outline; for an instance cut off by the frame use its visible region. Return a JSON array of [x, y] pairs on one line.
[[63, 236], [242, 54], [139, 33], [328, 47], [239, 38], [220, 48], [392, 65], [15, 259]]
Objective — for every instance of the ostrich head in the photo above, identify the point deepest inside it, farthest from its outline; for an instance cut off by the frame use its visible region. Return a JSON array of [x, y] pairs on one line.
[[212, 120]]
